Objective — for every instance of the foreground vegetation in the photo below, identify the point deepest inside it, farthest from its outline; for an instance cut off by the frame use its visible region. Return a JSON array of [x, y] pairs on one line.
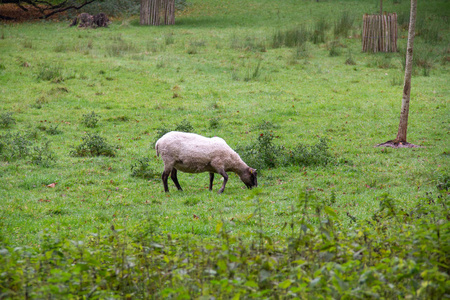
[[83, 212]]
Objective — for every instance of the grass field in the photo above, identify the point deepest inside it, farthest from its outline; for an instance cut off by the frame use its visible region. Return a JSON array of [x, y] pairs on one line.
[[218, 71]]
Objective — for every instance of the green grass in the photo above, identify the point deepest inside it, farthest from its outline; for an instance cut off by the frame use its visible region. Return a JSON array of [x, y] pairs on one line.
[[217, 63]]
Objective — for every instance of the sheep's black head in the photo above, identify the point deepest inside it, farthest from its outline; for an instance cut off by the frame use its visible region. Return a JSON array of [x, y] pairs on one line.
[[249, 177]]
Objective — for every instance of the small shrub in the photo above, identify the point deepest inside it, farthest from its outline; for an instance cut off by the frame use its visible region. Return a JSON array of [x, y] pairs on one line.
[[310, 155], [184, 126], [214, 123], [6, 119], [90, 120], [262, 153], [51, 130], [42, 155], [93, 145], [14, 146], [142, 169]]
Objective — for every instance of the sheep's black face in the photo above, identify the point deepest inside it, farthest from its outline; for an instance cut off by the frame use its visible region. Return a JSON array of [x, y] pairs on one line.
[[250, 178]]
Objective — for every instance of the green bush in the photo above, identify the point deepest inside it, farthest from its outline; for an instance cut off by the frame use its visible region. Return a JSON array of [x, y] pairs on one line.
[[90, 120], [6, 119], [397, 254], [14, 146], [142, 169], [93, 145]]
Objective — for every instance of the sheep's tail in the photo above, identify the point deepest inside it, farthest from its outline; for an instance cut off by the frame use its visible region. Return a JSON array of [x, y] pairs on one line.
[[156, 148]]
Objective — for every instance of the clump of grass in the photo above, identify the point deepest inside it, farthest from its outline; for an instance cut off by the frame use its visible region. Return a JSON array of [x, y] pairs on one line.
[[334, 48], [343, 25], [381, 60], [249, 43], [118, 119], [168, 39], [350, 61], [290, 38], [28, 44], [253, 74], [93, 145], [90, 120], [141, 169], [50, 72], [7, 120], [119, 47], [397, 79], [318, 34]]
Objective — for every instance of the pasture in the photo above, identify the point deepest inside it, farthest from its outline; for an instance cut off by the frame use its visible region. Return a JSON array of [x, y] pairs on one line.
[[220, 71]]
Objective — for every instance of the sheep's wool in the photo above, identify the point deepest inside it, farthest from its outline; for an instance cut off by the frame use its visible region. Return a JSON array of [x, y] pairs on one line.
[[193, 153]]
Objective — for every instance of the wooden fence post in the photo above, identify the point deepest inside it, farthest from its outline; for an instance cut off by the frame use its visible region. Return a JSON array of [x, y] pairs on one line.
[[379, 33]]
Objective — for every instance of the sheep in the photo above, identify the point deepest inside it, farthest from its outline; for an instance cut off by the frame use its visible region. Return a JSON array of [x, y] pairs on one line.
[[193, 153]]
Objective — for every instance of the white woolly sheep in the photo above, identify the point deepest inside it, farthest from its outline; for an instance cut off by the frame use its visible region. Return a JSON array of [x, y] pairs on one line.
[[193, 153]]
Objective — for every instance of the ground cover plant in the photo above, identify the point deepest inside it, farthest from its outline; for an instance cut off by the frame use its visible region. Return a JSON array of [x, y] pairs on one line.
[[82, 208]]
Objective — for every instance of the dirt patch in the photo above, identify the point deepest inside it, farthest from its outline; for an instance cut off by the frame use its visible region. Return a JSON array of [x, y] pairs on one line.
[[11, 13], [396, 144]]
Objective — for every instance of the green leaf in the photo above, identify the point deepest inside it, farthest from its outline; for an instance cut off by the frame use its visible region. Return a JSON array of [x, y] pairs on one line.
[[285, 284], [330, 211]]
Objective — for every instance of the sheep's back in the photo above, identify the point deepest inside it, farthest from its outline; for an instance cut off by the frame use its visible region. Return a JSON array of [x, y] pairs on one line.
[[190, 152]]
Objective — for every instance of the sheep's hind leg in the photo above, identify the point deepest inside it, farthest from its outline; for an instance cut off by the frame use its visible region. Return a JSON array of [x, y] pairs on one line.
[[165, 176], [211, 179], [174, 177]]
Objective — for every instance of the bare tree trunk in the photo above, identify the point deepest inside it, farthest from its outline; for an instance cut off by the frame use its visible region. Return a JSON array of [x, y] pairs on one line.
[[150, 12], [400, 141], [403, 126], [145, 12]]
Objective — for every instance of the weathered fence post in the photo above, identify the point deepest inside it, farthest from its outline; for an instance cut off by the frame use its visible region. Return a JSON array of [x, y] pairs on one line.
[[379, 33]]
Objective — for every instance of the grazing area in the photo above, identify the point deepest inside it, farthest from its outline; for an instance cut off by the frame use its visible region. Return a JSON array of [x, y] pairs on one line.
[[83, 211]]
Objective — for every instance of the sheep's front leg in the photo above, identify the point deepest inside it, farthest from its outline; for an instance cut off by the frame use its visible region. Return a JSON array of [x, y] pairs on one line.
[[225, 179], [211, 179], [174, 177]]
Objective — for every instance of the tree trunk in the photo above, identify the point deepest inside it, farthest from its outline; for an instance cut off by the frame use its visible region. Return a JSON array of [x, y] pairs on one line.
[[150, 12], [381, 7], [400, 141], [403, 125], [145, 12]]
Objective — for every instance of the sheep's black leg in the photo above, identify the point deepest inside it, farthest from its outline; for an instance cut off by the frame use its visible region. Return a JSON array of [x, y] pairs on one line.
[[211, 179], [165, 176], [174, 177], [225, 179]]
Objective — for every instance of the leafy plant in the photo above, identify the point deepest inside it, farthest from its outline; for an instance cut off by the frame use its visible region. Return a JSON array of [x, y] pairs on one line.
[[14, 146], [93, 145], [142, 169], [42, 155], [6, 119], [310, 155], [90, 120]]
